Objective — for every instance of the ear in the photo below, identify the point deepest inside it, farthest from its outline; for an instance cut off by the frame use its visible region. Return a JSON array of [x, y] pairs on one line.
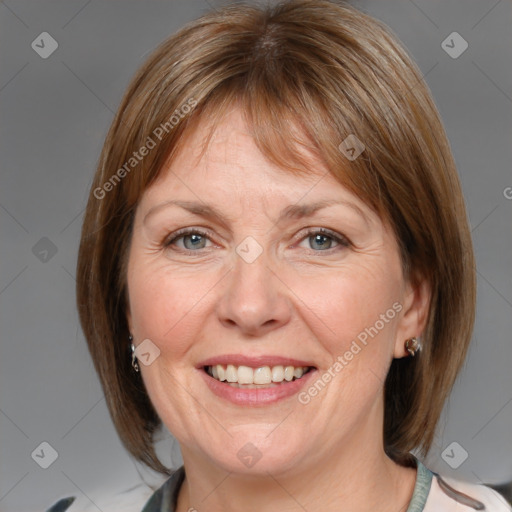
[[416, 305]]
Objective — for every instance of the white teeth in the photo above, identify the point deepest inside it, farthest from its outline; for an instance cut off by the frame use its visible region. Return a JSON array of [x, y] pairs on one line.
[[245, 375], [288, 373], [231, 373], [277, 374], [264, 375], [297, 372]]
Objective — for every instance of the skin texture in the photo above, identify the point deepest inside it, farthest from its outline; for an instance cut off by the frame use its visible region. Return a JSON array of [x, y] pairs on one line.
[[300, 298]]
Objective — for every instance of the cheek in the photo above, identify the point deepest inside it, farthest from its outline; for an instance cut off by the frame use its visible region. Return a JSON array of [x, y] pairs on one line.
[[164, 305], [355, 321], [361, 305]]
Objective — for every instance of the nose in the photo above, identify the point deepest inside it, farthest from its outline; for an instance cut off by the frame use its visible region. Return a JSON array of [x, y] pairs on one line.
[[255, 300]]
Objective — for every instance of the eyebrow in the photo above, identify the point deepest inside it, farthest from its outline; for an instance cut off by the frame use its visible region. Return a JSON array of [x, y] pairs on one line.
[[294, 211]]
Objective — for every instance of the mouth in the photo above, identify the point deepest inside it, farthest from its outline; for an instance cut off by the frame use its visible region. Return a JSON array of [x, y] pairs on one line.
[[246, 377], [255, 381]]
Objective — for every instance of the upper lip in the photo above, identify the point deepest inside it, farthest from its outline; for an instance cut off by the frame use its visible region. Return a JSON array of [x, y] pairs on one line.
[[253, 361]]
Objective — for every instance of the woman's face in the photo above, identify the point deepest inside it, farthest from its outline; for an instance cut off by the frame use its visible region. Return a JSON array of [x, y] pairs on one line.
[[241, 276]]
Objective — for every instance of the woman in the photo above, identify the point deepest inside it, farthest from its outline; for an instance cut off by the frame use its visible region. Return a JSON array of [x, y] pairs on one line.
[[263, 267]]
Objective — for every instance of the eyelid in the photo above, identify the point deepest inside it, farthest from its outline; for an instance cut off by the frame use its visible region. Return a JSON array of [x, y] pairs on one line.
[[180, 233], [341, 239]]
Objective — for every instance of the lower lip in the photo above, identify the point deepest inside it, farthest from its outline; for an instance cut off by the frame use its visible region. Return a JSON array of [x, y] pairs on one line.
[[256, 396]]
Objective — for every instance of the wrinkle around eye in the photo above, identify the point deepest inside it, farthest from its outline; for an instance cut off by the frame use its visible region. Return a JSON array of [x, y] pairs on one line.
[[160, 232]]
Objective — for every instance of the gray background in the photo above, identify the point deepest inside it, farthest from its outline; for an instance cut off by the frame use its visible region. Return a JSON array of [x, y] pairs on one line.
[[55, 113]]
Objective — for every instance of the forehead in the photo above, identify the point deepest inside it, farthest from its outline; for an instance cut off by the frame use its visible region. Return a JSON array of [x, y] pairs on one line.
[[226, 162]]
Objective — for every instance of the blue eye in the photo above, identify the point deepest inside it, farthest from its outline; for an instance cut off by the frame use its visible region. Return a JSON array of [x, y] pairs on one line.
[[196, 241], [192, 239], [322, 240]]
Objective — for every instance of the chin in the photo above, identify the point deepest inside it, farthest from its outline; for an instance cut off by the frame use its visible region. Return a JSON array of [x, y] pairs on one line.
[[256, 452]]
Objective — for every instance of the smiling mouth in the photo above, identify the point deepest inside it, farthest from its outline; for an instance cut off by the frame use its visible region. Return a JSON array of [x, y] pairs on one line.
[[263, 376]]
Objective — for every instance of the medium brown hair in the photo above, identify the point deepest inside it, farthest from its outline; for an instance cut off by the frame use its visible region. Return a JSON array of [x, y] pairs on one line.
[[307, 73]]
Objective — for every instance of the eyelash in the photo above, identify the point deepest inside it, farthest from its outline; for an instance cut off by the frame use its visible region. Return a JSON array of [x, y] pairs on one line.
[[341, 240]]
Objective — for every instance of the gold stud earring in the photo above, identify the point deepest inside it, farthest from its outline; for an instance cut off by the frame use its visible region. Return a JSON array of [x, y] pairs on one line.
[[412, 345]]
